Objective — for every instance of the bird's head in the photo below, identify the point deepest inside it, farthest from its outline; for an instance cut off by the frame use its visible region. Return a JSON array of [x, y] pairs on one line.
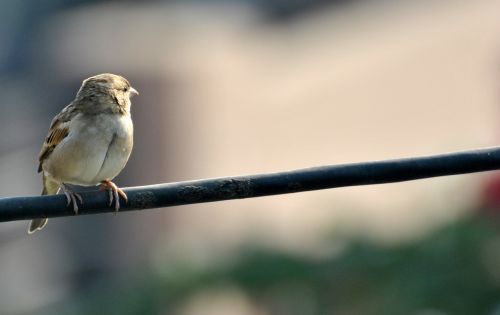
[[105, 91]]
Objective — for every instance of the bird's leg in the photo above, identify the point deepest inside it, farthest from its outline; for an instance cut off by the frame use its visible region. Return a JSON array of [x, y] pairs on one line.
[[114, 193], [71, 197]]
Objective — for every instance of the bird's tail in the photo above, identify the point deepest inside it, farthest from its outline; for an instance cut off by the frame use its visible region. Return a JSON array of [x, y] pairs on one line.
[[49, 188]]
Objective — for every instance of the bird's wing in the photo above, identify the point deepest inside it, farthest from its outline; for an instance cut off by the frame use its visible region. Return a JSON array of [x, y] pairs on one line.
[[59, 129]]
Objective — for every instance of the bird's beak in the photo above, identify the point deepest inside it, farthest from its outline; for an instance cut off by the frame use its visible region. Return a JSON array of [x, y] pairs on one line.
[[133, 91]]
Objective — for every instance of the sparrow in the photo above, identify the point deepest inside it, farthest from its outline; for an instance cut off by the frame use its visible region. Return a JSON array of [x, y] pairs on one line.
[[89, 142]]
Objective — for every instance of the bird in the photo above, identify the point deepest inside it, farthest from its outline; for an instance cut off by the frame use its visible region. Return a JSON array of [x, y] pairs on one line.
[[89, 142]]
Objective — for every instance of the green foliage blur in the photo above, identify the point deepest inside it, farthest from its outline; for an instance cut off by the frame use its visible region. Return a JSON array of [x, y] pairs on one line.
[[456, 270]]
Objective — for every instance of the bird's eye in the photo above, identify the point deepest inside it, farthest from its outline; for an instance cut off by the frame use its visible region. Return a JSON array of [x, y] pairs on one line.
[[125, 89]]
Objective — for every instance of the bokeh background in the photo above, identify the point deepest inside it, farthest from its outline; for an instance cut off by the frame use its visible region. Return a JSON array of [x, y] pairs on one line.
[[243, 87]]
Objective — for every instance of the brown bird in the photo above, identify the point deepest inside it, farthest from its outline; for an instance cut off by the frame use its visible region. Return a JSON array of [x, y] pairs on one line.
[[89, 142]]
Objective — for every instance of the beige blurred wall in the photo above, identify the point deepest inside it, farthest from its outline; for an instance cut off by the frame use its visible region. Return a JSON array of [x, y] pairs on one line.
[[233, 95]]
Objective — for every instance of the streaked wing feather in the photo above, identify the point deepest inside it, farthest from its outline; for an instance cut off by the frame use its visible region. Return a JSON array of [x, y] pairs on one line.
[[59, 129]]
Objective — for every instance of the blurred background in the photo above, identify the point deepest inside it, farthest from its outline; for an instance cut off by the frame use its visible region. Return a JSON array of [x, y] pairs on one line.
[[242, 87]]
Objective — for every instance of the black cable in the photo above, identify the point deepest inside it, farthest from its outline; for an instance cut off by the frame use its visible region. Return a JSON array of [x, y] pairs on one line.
[[208, 190]]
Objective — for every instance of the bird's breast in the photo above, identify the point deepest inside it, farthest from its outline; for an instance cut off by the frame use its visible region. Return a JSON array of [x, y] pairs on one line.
[[118, 151], [96, 148]]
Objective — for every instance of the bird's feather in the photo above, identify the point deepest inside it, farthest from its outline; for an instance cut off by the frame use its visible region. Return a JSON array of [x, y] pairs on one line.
[[59, 129], [50, 187]]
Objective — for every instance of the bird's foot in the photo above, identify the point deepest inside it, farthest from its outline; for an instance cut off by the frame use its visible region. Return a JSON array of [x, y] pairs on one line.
[[71, 197], [114, 193]]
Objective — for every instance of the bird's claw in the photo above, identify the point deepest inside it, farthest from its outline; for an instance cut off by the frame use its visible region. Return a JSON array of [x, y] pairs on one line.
[[72, 197], [114, 193]]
